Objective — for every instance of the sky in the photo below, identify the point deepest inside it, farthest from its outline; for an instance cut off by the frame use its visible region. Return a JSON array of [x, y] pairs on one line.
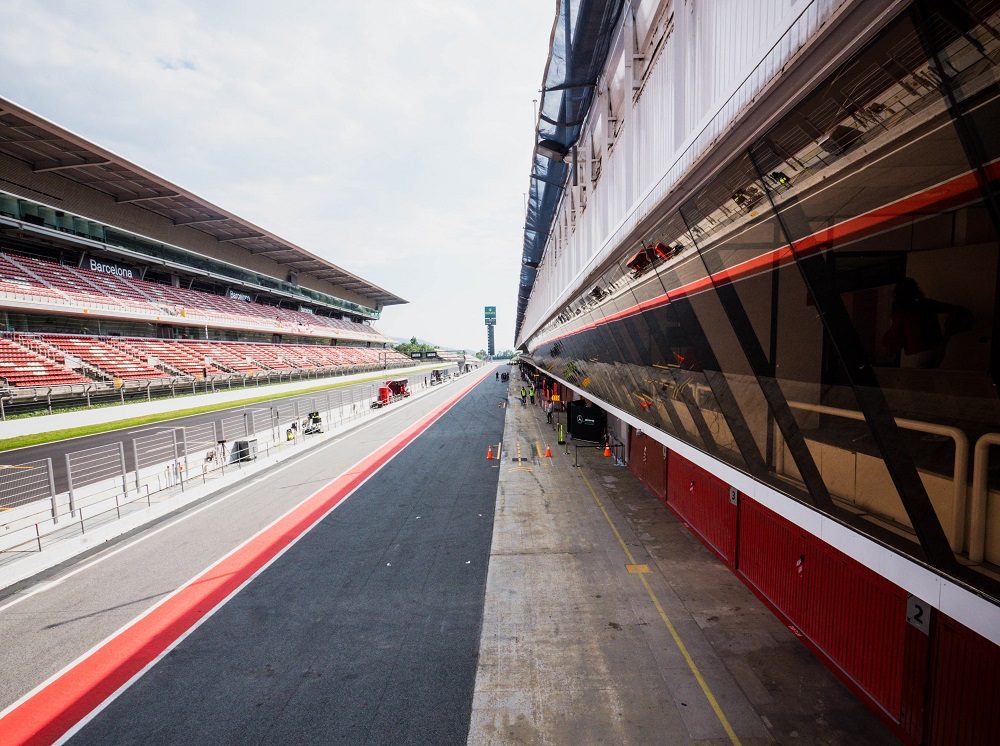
[[392, 138]]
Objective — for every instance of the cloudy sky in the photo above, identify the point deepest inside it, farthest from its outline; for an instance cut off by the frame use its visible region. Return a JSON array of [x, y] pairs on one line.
[[392, 138]]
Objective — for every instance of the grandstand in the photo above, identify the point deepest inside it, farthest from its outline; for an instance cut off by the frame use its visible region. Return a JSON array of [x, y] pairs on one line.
[[112, 277]]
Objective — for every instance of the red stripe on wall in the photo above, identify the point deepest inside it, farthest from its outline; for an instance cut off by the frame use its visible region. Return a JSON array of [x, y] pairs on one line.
[[947, 194]]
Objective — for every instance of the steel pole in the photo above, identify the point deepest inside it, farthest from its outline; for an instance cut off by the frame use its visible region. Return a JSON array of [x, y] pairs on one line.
[[121, 461], [69, 481], [52, 491]]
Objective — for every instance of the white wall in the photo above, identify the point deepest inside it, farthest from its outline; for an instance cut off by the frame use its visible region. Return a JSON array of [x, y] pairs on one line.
[[714, 58]]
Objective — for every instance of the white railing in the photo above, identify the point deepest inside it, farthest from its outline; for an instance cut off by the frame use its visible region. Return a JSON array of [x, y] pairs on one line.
[[960, 470], [979, 518]]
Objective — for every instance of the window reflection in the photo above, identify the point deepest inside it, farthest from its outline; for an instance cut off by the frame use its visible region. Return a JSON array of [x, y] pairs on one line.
[[877, 193]]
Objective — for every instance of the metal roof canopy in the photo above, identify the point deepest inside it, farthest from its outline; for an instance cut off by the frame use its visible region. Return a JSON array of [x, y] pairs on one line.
[[48, 148], [578, 49]]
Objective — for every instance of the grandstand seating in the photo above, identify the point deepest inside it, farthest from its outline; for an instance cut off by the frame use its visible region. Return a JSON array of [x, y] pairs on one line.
[[105, 356], [15, 279], [26, 275], [180, 357], [224, 355], [39, 360], [22, 367]]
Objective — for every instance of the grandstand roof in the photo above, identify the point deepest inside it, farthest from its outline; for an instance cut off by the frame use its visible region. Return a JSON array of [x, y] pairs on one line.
[[47, 147]]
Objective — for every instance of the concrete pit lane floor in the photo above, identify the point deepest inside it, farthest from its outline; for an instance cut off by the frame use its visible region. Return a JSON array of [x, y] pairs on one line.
[[607, 622]]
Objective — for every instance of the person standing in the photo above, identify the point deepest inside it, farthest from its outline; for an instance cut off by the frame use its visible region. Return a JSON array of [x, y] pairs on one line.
[[498, 375], [531, 393], [548, 411], [524, 395]]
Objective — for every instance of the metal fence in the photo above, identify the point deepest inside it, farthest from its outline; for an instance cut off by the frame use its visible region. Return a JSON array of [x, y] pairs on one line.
[[200, 437], [235, 427], [19, 401], [261, 420], [160, 448], [287, 410], [93, 465], [25, 483], [106, 481]]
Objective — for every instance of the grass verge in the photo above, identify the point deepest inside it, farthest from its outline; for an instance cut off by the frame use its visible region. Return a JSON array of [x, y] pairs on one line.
[[35, 439]]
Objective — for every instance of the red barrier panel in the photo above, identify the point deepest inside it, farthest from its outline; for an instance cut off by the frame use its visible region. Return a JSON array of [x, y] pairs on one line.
[[703, 500], [965, 686], [853, 616], [937, 689], [647, 459]]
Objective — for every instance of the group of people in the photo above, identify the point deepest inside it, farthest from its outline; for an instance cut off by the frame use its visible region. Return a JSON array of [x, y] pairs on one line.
[[527, 391]]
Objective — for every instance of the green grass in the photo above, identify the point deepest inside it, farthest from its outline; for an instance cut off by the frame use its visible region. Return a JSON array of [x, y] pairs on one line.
[[35, 439]]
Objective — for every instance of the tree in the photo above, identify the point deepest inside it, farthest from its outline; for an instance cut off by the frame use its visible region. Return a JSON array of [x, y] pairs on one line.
[[413, 346]]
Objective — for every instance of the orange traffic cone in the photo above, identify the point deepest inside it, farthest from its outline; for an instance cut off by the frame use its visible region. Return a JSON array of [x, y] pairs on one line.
[[607, 451], [489, 453], [548, 452]]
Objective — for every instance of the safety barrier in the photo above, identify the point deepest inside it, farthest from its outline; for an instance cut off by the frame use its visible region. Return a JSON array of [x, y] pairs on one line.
[[26, 482], [105, 482]]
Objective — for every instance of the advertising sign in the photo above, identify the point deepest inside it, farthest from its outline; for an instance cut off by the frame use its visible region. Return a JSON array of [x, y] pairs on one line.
[[110, 268], [491, 315], [586, 422]]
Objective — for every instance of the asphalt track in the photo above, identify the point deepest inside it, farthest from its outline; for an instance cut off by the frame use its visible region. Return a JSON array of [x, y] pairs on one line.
[[364, 631]]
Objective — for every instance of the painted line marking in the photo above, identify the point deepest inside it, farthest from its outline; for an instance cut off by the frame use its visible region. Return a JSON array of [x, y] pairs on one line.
[[538, 427], [681, 647], [63, 704], [637, 569]]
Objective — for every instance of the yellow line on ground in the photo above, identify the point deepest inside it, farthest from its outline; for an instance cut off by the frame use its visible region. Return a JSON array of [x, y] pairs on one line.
[[540, 452], [716, 708]]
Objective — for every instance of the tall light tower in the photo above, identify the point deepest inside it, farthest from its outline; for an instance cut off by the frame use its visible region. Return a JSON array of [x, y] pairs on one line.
[[491, 321]]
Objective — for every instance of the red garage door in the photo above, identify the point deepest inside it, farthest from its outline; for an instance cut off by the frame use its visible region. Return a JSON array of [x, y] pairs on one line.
[[647, 459], [703, 500]]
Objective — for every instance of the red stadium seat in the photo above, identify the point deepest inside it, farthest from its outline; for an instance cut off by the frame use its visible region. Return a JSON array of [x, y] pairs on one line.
[[20, 367], [88, 289]]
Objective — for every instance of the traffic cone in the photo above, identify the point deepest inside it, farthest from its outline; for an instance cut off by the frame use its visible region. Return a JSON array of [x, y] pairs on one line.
[[489, 453], [548, 452], [607, 451]]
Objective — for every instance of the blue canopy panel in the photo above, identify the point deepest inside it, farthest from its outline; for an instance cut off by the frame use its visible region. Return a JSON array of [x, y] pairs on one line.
[[581, 38]]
